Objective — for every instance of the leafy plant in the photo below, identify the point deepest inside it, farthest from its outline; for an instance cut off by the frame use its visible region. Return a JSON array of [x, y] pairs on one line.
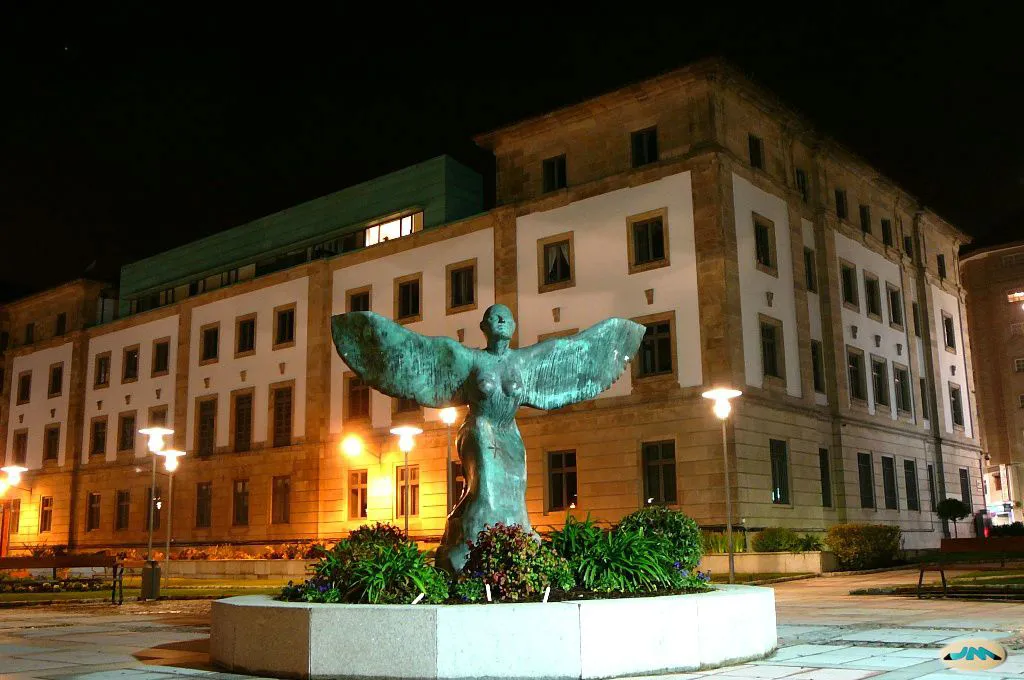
[[864, 546], [718, 542], [952, 510], [682, 533], [514, 564], [809, 543], [776, 539], [1015, 529], [378, 533]]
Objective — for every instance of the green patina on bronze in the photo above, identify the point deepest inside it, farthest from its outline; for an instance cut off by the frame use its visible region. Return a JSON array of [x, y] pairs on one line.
[[494, 382]]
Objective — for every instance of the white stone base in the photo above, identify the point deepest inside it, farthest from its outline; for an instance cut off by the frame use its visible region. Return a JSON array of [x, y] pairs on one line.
[[565, 640]]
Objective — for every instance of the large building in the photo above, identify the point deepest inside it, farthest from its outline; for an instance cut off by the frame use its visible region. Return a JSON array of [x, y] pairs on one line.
[[759, 254], [994, 279]]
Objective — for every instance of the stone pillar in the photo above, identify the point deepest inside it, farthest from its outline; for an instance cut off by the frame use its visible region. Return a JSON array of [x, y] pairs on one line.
[[75, 428], [506, 284]]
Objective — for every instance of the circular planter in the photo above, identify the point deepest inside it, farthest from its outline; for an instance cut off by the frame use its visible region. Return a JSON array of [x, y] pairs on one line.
[[258, 635]]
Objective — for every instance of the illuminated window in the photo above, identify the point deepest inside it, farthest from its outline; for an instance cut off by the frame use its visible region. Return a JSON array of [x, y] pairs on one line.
[[388, 231], [1016, 297], [357, 494]]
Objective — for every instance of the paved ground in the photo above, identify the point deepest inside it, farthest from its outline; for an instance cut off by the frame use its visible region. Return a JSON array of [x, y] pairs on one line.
[[825, 634]]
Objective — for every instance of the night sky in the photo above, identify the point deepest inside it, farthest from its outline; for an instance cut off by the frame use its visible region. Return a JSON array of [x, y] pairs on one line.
[[125, 131]]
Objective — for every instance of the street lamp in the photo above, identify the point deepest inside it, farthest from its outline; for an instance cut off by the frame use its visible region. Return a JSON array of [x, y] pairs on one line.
[[448, 418], [722, 408], [405, 434], [170, 464], [151, 572]]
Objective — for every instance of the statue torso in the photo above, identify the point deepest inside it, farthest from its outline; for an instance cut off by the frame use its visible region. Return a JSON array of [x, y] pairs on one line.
[[495, 387]]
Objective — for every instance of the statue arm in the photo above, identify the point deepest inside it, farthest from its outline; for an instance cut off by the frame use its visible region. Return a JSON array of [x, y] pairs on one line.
[[563, 371], [400, 362]]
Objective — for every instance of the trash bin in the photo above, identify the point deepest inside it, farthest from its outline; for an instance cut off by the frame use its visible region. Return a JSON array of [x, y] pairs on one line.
[[150, 581]]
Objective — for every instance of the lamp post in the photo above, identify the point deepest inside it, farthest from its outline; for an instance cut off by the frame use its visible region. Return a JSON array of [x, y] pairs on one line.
[[151, 572], [405, 434], [170, 464], [448, 418], [722, 408]]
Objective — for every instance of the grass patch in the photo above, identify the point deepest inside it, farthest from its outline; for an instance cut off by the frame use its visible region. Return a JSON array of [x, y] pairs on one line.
[[170, 588]]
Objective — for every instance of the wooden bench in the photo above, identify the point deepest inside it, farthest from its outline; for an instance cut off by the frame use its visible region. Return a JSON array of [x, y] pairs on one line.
[[116, 566], [972, 561]]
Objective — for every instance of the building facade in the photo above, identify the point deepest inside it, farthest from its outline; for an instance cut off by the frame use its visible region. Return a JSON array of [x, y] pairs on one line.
[[758, 254], [994, 279]]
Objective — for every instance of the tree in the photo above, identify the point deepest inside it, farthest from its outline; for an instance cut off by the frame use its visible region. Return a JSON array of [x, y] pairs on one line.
[[952, 510]]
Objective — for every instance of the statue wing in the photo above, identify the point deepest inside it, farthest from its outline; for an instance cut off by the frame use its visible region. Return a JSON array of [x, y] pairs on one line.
[[400, 362], [563, 371]]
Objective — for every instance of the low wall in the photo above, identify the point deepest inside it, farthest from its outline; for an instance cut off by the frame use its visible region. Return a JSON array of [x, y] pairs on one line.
[[559, 640], [995, 544], [771, 563], [237, 569]]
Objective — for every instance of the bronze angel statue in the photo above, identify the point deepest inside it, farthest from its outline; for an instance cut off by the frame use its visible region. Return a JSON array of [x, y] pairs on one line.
[[494, 382]]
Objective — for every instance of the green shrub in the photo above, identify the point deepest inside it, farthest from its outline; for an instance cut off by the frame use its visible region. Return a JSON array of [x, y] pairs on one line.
[[776, 539], [864, 546], [681, 532], [808, 543], [1015, 529], [514, 564], [718, 542]]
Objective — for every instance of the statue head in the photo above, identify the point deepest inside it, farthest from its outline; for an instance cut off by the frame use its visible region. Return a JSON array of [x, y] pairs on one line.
[[498, 323]]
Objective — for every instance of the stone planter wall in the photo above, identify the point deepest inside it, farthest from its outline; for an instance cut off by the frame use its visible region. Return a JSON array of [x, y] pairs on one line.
[[237, 569], [771, 563]]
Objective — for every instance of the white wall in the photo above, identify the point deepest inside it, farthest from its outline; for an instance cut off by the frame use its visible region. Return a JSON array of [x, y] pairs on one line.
[[814, 303], [261, 369], [952, 367], [604, 287], [380, 274], [40, 410], [141, 394], [756, 284]]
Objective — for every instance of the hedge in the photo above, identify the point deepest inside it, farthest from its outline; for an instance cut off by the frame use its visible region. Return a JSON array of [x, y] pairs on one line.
[[864, 546]]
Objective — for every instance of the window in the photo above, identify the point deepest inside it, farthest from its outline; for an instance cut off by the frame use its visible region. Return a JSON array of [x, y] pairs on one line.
[[772, 361], [554, 173], [19, 447], [284, 326], [101, 372], [817, 366], [242, 412], [407, 298], [1018, 365], [940, 263], [357, 486], [51, 442], [359, 300], [644, 146], [647, 241], [866, 480], [780, 471], [99, 436], [956, 405], [889, 483], [126, 432], [245, 335], [15, 522], [123, 507], [855, 371], [461, 278], [158, 416], [209, 341], [932, 497], [388, 231], [755, 147], [406, 405], [45, 514], [910, 478], [825, 468], [357, 399], [659, 461], [901, 383], [908, 245], [562, 485], [764, 245], [61, 327], [848, 275], [280, 501], [408, 496], [1015, 297], [282, 416], [810, 271], [204, 505], [206, 432], [161, 357], [130, 365], [92, 513], [802, 185], [56, 384], [965, 488], [880, 381], [842, 210], [887, 232], [24, 387], [872, 296], [949, 331], [656, 350], [555, 262], [240, 503], [895, 306], [865, 219], [30, 333], [924, 399]]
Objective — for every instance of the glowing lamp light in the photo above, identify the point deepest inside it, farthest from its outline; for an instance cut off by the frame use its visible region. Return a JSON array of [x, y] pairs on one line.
[[352, 446], [448, 415], [3, 487], [13, 474], [156, 435], [405, 435], [721, 396], [171, 457]]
